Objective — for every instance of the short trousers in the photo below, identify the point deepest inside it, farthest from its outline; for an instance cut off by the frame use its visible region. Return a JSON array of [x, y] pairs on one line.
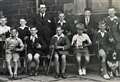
[[14, 57]]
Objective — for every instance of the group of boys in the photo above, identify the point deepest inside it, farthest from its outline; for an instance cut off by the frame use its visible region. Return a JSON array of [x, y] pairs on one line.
[[34, 41]]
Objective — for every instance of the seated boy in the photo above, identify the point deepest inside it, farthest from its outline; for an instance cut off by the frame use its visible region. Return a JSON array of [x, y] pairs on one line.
[[61, 44], [81, 41], [104, 42], [13, 46], [35, 47]]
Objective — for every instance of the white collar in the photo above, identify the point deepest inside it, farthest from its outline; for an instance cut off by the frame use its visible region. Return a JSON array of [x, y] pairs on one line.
[[61, 36], [64, 21], [112, 18], [35, 36], [99, 31], [22, 27]]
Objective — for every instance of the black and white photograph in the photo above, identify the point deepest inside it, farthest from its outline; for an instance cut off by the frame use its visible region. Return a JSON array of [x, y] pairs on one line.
[[60, 40]]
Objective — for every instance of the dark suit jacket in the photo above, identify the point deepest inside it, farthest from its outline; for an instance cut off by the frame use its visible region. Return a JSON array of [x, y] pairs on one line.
[[92, 25], [104, 42], [32, 46]]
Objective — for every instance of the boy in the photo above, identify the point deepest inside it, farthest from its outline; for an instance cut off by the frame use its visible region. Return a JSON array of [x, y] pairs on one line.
[[105, 43], [35, 48], [24, 33], [81, 41], [13, 46], [4, 33], [61, 44], [23, 30]]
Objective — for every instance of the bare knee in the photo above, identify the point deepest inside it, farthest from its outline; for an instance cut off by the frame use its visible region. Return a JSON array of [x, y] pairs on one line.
[[30, 57]]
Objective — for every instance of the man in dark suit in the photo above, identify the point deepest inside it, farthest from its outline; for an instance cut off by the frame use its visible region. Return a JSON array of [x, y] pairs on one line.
[[43, 23], [90, 25]]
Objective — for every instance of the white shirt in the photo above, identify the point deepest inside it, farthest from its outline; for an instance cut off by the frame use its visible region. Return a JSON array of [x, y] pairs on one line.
[[4, 29], [79, 39], [102, 33], [58, 37], [33, 37], [87, 19], [61, 22]]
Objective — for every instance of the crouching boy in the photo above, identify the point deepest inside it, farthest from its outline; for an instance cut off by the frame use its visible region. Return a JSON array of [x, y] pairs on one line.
[[35, 48], [13, 46], [80, 41], [105, 43], [61, 44]]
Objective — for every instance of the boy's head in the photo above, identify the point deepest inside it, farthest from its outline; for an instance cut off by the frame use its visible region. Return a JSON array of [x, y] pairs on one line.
[[111, 11], [87, 12], [23, 22], [102, 25], [3, 20], [59, 30], [80, 28], [33, 31], [61, 16], [43, 8], [13, 32]]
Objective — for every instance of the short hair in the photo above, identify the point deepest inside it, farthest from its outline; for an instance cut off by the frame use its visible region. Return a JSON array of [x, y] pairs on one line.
[[80, 26], [33, 28]]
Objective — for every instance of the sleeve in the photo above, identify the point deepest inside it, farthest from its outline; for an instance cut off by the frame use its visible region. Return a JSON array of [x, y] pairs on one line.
[[88, 39], [67, 46], [74, 39], [21, 45]]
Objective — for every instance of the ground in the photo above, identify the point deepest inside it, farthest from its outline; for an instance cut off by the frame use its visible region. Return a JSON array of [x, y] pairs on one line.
[[50, 78]]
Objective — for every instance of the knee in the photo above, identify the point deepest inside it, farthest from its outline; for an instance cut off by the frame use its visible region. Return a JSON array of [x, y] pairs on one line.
[[29, 57], [63, 57], [87, 58], [37, 56], [56, 57], [78, 57]]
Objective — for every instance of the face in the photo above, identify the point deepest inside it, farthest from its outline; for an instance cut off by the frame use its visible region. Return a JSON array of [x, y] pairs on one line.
[[43, 9], [114, 55], [22, 22], [59, 31], [61, 16], [111, 12], [87, 13], [33, 31], [13, 32], [3, 21], [102, 27]]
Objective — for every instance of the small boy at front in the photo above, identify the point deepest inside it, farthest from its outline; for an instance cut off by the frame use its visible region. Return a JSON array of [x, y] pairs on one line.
[[81, 41], [61, 44], [13, 45]]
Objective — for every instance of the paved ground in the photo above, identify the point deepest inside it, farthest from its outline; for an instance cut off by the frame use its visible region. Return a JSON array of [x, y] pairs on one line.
[[70, 78]]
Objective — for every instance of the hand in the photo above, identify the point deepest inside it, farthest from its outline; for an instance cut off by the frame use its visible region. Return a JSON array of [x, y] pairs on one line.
[[75, 21], [49, 21], [26, 37], [60, 47], [39, 46], [111, 39]]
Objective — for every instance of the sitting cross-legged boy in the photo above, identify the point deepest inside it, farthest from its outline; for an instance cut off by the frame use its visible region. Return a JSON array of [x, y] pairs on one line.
[[13, 46], [81, 41], [61, 44], [104, 42], [35, 47]]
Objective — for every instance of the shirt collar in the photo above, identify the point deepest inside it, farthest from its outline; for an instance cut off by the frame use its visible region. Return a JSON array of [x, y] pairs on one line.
[[112, 18], [61, 36], [99, 31], [22, 27], [35, 36], [64, 21]]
